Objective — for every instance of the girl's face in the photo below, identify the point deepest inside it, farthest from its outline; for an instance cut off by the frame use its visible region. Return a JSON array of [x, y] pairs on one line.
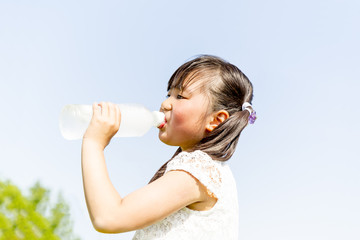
[[187, 115]]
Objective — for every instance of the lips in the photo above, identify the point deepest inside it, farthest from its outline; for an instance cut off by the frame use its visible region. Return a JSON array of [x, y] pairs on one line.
[[162, 124]]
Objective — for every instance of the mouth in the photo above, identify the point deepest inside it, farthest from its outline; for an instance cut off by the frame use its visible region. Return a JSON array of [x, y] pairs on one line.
[[162, 124]]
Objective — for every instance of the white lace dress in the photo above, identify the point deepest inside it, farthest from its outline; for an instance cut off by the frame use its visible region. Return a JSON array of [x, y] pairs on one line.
[[220, 222]]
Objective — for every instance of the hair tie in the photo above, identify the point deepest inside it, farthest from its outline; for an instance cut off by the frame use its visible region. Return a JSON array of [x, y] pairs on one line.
[[252, 116], [245, 107]]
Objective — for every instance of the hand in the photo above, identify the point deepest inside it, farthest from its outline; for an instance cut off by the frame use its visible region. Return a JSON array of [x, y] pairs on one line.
[[104, 123]]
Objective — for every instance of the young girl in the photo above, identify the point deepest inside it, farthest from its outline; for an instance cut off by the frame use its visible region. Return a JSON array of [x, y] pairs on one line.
[[193, 195]]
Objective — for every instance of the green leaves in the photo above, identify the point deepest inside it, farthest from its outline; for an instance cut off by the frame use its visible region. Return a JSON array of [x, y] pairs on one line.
[[33, 217]]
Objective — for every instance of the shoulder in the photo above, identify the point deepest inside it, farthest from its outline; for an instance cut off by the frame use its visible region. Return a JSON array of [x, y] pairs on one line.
[[197, 160], [201, 166]]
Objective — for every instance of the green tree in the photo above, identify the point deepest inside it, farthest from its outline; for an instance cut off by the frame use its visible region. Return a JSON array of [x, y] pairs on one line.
[[33, 216]]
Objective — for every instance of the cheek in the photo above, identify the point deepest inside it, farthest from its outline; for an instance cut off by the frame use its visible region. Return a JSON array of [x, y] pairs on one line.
[[179, 122], [179, 119], [185, 121]]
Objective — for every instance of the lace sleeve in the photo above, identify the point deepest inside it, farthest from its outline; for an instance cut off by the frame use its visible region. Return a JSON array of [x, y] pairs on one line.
[[201, 166]]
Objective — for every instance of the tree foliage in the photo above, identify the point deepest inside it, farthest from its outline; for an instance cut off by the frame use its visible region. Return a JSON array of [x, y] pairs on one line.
[[33, 216]]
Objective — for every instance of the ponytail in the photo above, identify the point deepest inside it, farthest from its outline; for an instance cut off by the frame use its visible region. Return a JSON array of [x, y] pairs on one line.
[[221, 143]]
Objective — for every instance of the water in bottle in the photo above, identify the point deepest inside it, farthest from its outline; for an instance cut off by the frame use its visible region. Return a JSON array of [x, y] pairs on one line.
[[136, 120]]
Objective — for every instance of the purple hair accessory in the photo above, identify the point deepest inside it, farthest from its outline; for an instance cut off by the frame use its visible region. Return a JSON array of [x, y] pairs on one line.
[[252, 117]]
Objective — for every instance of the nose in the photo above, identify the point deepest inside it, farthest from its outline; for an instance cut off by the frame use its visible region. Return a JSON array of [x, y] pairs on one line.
[[166, 105]]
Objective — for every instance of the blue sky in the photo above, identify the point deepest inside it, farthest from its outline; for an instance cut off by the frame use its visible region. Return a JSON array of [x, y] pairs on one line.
[[297, 168]]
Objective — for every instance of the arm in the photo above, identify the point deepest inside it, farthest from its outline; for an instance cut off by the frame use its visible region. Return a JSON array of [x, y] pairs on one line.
[[109, 212]]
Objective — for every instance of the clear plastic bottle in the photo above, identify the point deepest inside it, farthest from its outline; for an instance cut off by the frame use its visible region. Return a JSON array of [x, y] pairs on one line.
[[136, 120]]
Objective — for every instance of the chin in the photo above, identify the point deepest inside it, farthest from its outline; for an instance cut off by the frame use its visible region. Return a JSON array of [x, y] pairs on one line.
[[167, 141], [162, 138]]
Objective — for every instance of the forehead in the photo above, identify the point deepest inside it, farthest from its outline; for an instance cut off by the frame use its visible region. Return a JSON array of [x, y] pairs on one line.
[[190, 81], [191, 87]]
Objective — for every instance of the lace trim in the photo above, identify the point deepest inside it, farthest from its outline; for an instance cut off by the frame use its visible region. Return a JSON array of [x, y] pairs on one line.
[[202, 167]]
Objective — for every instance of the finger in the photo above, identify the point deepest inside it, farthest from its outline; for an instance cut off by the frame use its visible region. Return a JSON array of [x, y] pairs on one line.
[[104, 109], [115, 113], [96, 109], [111, 111], [117, 116]]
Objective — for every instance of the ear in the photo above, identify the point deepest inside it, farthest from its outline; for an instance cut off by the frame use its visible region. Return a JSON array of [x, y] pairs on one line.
[[216, 119]]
